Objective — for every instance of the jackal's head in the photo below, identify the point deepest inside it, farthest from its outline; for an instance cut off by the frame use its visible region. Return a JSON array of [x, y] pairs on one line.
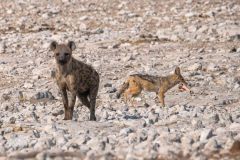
[[62, 52], [183, 86]]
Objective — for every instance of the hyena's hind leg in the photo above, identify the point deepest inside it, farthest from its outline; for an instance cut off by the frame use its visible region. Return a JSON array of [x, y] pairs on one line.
[[92, 96], [84, 99]]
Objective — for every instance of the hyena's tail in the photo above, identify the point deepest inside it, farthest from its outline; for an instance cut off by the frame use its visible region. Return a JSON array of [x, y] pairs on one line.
[[122, 89]]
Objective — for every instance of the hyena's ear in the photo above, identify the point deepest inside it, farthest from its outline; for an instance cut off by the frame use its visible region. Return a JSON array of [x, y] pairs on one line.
[[177, 71], [71, 45], [53, 45]]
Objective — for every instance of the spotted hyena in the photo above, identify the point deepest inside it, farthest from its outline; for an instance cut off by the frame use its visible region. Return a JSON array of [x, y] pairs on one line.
[[80, 79]]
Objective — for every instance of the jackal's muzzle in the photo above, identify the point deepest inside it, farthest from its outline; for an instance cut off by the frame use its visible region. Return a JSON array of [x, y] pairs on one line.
[[184, 87]]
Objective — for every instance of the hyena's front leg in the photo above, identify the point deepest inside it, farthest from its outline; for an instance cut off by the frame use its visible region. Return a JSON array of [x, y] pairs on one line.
[[65, 102], [69, 113]]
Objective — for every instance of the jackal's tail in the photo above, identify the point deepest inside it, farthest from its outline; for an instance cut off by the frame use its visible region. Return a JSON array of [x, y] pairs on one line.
[[122, 89]]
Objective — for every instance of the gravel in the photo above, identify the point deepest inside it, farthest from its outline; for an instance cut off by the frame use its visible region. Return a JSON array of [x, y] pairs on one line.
[[119, 38]]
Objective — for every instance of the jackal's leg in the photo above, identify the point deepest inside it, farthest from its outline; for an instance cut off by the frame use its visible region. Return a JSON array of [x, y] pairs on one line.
[[132, 101], [144, 99], [161, 97], [126, 97], [130, 92], [156, 99], [92, 97]]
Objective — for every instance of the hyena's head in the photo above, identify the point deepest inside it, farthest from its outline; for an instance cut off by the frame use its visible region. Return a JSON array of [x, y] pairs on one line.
[[183, 86], [62, 52]]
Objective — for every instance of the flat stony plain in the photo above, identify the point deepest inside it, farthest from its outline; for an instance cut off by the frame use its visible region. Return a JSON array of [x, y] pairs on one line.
[[119, 38]]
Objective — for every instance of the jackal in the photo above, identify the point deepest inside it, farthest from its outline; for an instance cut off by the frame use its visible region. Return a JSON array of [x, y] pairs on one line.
[[78, 78], [137, 82]]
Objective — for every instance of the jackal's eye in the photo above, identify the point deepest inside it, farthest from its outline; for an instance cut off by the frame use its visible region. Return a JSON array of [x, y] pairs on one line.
[[66, 54], [57, 54]]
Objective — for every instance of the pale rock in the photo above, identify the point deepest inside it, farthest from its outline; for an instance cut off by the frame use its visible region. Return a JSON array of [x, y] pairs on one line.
[[191, 14], [197, 123], [45, 16], [17, 142], [125, 131], [2, 47], [82, 27], [83, 18], [28, 85], [212, 67], [211, 146], [206, 134], [192, 29], [195, 67], [235, 127], [61, 140]]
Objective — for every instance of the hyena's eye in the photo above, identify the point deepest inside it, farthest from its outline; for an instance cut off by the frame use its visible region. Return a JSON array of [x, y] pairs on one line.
[[66, 54], [57, 54]]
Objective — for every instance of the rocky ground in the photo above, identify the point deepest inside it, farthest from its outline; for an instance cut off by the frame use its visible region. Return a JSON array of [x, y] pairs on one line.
[[118, 38]]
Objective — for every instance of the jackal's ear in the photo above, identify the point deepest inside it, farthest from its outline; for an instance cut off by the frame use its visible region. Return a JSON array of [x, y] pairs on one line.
[[177, 71], [53, 45], [71, 45]]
